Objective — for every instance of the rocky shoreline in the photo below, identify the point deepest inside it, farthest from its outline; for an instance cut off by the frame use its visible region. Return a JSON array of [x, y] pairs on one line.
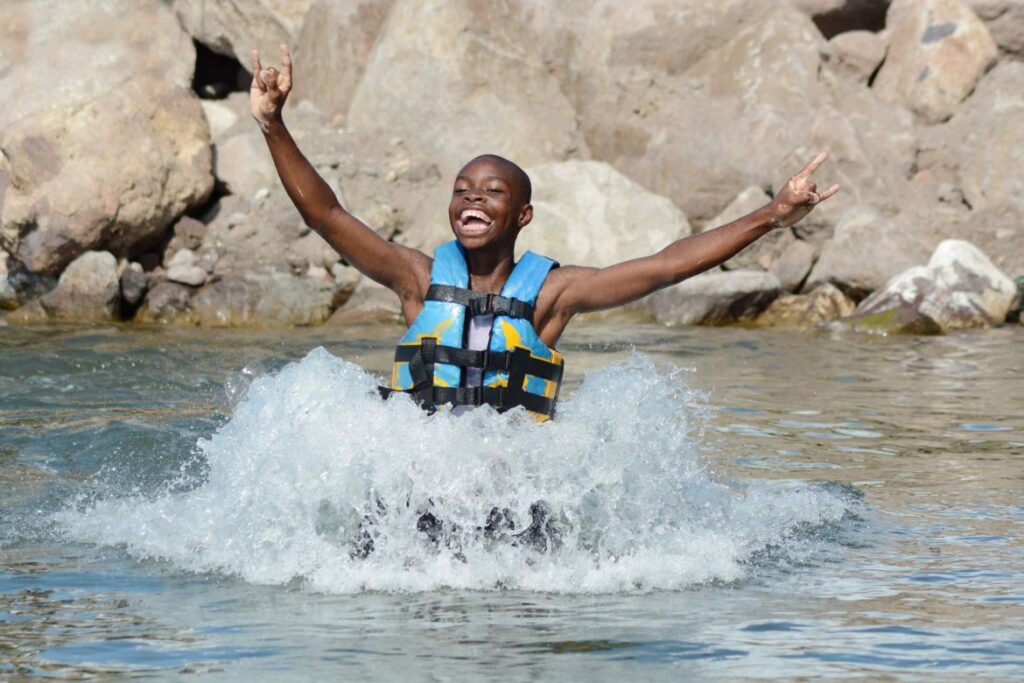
[[134, 185]]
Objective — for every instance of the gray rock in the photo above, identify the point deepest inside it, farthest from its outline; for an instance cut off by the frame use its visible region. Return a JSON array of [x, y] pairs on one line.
[[188, 233], [243, 163], [749, 200], [715, 298], [803, 311], [133, 284], [166, 302], [235, 27], [264, 300], [760, 254], [9, 299], [87, 292], [793, 266], [959, 288], [370, 302], [187, 275], [937, 51], [587, 213], [866, 250]]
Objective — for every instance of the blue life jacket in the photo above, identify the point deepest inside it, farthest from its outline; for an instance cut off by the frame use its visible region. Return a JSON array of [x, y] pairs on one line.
[[518, 368]]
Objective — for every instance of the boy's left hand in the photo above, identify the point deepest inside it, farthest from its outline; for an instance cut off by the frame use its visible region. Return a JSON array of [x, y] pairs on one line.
[[800, 195]]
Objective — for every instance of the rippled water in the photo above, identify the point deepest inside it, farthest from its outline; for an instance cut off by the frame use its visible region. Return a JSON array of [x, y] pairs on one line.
[[730, 503]]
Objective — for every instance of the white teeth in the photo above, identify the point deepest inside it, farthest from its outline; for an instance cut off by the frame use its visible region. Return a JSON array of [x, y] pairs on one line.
[[474, 213]]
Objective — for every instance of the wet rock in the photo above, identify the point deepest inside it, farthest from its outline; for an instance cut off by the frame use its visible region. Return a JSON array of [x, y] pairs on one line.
[[858, 53], [165, 302], [866, 250], [937, 51], [959, 288], [335, 45], [122, 113], [87, 292], [1005, 21], [793, 266], [432, 78], [715, 298], [264, 299], [235, 27], [587, 213], [133, 284], [8, 295], [802, 311]]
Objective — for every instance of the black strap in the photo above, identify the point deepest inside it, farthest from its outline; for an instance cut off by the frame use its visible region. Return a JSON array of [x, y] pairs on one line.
[[484, 360], [480, 304]]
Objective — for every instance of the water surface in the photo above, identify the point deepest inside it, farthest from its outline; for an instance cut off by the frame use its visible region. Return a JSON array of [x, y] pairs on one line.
[[735, 503]]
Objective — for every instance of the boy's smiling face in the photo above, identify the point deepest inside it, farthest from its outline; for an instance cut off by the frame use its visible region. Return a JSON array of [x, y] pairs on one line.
[[490, 202]]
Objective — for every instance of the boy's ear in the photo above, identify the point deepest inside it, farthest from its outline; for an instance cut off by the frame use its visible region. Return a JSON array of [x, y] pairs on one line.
[[525, 216]]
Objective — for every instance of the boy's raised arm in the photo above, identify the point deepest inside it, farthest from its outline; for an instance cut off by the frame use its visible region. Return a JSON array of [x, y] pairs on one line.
[[403, 270], [592, 289]]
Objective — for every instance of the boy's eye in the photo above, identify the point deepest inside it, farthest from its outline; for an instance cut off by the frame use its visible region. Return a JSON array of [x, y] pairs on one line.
[[494, 190]]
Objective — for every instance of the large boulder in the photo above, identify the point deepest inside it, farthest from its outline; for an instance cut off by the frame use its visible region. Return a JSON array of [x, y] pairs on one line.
[[587, 213], [702, 121], [836, 17], [715, 298], [1005, 21], [959, 288], [116, 107], [858, 53], [460, 78], [937, 51], [333, 49], [865, 252], [235, 27], [88, 292], [803, 311]]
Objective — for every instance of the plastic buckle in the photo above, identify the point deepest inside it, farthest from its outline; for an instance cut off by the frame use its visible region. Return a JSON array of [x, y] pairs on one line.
[[486, 364]]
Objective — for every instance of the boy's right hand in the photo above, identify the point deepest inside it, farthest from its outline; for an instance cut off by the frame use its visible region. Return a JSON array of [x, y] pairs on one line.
[[269, 89]]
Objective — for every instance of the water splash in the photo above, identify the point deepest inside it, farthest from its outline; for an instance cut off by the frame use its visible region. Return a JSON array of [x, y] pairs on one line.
[[313, 466]]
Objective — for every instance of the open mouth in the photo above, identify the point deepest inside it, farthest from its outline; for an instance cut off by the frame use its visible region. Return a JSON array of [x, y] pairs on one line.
[[473, 222]]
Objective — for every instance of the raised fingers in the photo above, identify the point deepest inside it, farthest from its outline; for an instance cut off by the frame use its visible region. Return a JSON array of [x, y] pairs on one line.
[[813, 166], [256, 68], [286, 62], [828, 193]]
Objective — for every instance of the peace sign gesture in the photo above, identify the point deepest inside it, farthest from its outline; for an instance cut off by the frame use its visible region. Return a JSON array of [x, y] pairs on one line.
[[800, 195], [269, 88]]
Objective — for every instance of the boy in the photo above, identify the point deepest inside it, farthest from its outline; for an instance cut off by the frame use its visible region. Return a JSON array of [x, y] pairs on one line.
[[483, 327]]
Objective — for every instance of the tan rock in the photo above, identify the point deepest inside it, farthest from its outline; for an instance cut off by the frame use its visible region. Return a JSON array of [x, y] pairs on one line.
[[937, 51], [587, 213], [235, 27], [333, 49], [802, 311], [836, 17], [794, 264], [858, 53], [88, 292], [434, 80], [865, 252], [369, 303], [1005, 21]]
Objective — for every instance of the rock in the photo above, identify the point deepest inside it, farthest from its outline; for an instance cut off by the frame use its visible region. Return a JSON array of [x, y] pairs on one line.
[[263, 300], [836, 17], [1005, 21], [865, 252], [793, 266], [715, 298], [243, 163], [858, 53], [699, 123], [219, 117], [166, 302], [87, 292], [802, 311], [133, 284], [760, 254], [334, 47], [187, 275], [370, 302], [937, 51], [434, 78], [587, 213], [960, 288], [747, 201], [154, 165], [235, 27], [9, 299], [188, 233]]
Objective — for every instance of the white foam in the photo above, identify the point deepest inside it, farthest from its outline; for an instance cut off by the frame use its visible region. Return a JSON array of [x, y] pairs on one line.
[[310, 450]]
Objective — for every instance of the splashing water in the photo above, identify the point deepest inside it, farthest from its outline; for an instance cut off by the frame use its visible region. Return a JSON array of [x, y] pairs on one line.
[[313, 467]]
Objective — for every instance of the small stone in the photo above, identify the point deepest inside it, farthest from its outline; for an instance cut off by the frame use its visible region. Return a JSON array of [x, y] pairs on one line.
[[166, 302], [133, 285], [187, 275], [181, 258], [261, 194], [802, 311]]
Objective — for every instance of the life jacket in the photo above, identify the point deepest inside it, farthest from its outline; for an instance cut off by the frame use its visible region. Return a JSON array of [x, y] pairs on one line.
[[518, 368]]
